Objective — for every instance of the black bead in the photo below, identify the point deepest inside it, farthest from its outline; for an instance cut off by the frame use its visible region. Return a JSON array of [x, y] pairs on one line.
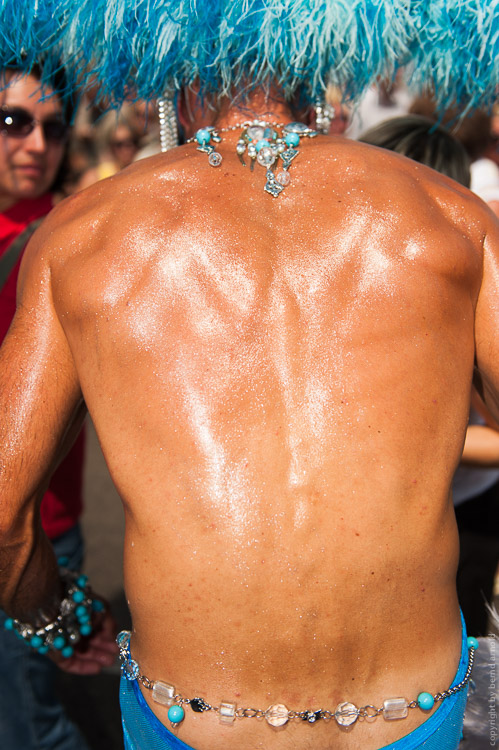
[[199, 705]]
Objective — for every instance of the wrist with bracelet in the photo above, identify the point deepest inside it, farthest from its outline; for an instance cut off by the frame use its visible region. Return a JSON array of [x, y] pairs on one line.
[[72, 622]]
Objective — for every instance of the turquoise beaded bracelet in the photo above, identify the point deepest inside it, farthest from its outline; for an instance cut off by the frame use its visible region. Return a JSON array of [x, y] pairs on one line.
[[73, 622]]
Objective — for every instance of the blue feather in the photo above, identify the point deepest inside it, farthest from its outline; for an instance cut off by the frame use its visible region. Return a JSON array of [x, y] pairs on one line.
[[140, 48]]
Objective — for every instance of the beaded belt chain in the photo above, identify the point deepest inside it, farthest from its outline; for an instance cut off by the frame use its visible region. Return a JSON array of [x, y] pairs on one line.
[[345, 713]]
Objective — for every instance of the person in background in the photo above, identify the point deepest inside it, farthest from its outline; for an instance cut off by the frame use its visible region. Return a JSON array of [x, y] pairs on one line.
[[475, 487], [478, 132], [33, 139], [117, 143]]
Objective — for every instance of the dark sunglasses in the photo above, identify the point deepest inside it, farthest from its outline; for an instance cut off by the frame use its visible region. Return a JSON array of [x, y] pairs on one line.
[[17, 122]]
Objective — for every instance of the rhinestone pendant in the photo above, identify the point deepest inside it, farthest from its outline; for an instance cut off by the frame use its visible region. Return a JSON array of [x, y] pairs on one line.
[[288, 156], [312, 716], [273, 187], [215, 159]]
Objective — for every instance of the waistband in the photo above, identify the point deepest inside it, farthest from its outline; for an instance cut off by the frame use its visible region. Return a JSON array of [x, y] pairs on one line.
[[449, 713]]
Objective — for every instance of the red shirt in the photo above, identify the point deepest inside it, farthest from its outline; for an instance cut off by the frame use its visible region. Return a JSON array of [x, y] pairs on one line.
[[62, 503]]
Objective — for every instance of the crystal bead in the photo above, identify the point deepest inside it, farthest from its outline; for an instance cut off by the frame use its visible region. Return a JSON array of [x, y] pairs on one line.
[[346, 714], [130, 670], [215, 159], [277, 715], [296, 127], [26, 631], [265, 157], [163, 693], [49, 639], [123, 638], [227, 712], [67, 607], [255, 132], [283, 178], [395, 708]]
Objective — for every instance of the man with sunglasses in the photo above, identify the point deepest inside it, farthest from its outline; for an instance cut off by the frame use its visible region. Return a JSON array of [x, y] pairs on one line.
[[33, 137]]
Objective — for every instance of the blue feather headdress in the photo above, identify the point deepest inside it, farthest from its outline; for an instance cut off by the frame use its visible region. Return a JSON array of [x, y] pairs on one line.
[[141, 48]]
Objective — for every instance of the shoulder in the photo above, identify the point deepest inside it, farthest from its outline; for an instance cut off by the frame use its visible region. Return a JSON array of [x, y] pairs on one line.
[[109, 207], [396, 178]]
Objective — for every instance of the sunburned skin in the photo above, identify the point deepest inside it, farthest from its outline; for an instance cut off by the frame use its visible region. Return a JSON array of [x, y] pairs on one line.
[[281, 391]]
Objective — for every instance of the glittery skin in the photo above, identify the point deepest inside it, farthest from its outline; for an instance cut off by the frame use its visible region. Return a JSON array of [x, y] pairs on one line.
[[280, 387]]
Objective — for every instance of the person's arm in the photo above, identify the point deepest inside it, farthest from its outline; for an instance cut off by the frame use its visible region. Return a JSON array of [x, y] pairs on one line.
[[481, 447], [487, 325], [40, 406]]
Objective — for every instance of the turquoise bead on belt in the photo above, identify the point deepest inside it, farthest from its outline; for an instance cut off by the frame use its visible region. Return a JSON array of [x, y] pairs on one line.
[[176, 714], [426, 701]]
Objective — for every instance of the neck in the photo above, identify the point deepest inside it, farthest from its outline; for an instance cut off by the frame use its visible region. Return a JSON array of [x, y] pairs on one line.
[[260, 105]]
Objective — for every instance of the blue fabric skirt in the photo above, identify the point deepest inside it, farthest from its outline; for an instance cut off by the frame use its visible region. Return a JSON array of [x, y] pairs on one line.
[[142, 730]]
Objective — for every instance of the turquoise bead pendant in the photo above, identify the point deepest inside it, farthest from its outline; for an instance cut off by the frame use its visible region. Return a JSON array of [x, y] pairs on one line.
[[175, 715]]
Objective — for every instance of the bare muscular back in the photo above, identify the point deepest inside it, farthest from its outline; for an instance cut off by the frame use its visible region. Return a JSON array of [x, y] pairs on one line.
[[280, 389]]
